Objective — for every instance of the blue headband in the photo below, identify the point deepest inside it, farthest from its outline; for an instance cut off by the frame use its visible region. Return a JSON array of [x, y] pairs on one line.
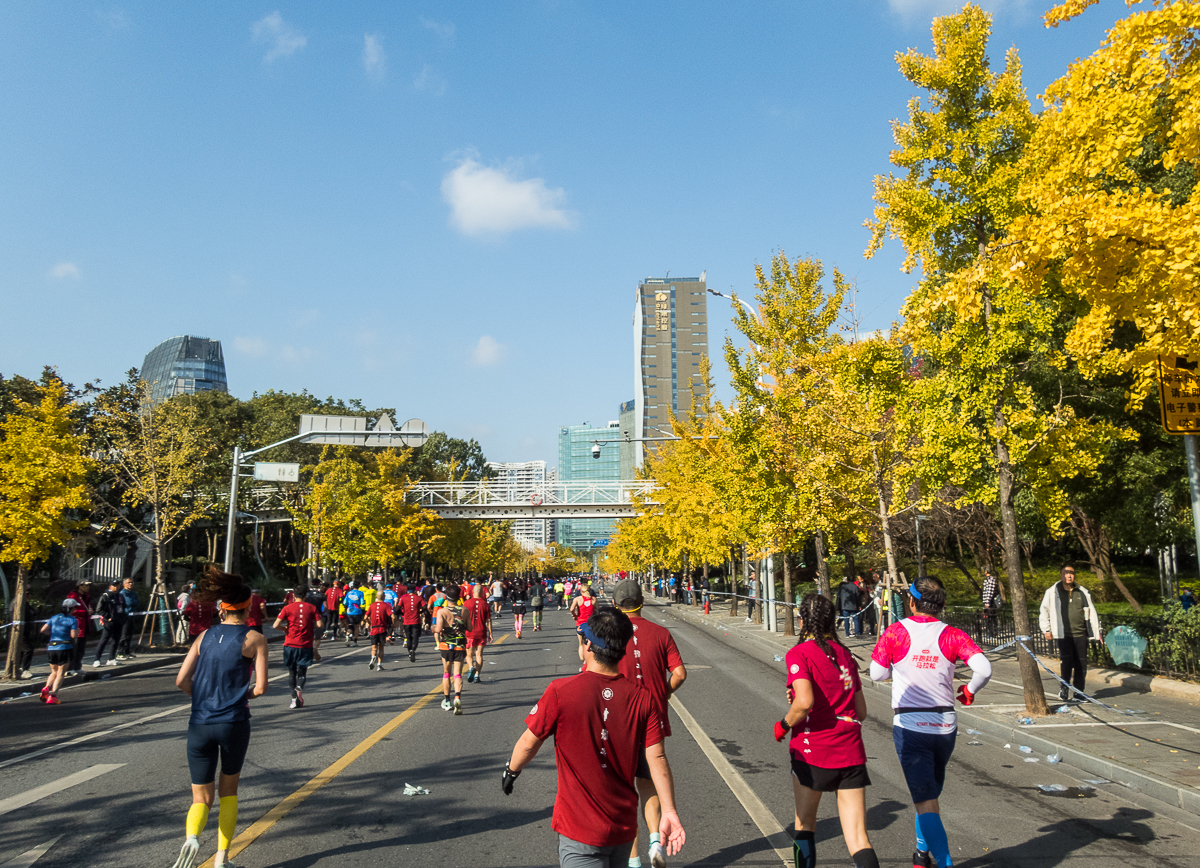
[[587, 633], [912, 589]]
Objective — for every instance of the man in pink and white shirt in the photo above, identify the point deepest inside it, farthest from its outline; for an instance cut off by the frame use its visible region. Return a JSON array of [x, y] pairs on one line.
[[919, 655]]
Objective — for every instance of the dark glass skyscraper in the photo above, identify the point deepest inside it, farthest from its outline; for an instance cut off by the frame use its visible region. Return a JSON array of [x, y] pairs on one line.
[[184, 365]]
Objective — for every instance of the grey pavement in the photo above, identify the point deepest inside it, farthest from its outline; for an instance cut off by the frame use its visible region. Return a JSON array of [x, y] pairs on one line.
[[124, 791]]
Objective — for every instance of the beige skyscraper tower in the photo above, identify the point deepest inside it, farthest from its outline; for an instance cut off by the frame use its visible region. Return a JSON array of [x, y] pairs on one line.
[[670, 337]]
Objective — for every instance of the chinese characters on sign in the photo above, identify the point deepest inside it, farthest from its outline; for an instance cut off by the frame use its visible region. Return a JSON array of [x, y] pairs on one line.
[[1179, 390], [662, 304]]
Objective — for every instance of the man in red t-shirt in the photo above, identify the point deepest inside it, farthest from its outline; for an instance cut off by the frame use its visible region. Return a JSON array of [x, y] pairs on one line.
[[603, 727], [649, 656], [299, 644], [411, 608], [254, 615], [199, 617], [333, 600], [479, 616], [380, 617]]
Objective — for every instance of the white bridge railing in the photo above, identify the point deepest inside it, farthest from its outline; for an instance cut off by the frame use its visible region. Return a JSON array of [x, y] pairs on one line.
[[502, 499]]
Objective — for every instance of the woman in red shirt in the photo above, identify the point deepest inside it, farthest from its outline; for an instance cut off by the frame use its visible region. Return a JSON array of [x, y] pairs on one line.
[[825, 724]]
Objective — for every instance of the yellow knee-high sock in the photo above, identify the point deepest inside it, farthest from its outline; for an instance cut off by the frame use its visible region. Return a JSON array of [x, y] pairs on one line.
[[226, 821], [196, 819]]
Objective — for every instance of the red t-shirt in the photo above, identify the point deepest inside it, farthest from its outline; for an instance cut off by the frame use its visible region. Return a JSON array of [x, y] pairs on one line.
[[651, 653], [400, 588], [333, 596], [301, 619], [254, 615], [199, 616], [828, 738], [586, 605], [381, 617], [480, 617], [410, 606], [600, 724]]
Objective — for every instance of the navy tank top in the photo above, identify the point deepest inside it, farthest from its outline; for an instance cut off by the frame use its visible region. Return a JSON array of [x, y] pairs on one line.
[[221, 682]]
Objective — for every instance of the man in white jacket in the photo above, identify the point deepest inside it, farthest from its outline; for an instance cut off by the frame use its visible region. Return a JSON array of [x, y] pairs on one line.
[[1068, 617]]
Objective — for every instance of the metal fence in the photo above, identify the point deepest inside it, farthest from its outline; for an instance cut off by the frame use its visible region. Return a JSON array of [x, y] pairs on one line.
[[1166, 652]]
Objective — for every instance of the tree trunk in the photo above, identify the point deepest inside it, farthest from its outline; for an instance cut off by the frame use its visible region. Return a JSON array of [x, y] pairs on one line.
[[823, 587], [16, 636], [733, 584], [789, 623], [885, 522], [1094, 539]]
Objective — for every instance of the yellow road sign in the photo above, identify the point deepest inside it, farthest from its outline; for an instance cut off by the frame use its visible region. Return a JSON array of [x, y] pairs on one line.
[[1179, 391]]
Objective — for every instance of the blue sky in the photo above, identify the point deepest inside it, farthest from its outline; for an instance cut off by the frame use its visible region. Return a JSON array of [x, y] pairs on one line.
[[443, 208]]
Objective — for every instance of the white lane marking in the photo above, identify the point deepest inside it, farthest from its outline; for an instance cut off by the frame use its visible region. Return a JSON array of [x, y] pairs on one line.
[[1115, 724], [83, 738], [770, 827], [30, 856], [39, 793]]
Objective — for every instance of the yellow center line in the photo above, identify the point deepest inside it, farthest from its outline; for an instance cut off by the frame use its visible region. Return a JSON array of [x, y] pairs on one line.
[[290, 803]]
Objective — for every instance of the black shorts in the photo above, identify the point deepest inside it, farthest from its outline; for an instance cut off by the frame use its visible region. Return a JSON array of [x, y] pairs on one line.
[[354, 620], [455, 655], [207, 740], [297, 658], [379, 638], [830, 780], [59, 658]]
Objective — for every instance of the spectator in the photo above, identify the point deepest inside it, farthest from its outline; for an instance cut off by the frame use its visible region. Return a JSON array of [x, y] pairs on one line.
[[111, 610], [849, 602], [1068, 617], [870, 598], [993, 599], [1187, 599], [83, 615]]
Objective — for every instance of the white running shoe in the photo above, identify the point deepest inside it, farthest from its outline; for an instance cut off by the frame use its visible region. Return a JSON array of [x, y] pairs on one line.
[[658, 858], [446, 705], [187, 855], [457, 705], [96, 664], [379, 666], [293, 705], [112, 662]]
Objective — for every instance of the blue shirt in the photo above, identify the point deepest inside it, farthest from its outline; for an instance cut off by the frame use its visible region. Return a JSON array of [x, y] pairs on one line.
[[355, 602], [221, 681], [390, 597], [60, 632], [132, 604]]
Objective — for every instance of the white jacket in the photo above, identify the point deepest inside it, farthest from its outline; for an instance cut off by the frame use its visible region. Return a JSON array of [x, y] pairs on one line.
[[1050, 618]]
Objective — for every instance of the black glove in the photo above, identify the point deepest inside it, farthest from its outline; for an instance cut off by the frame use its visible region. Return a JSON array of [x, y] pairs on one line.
[[508, 779]]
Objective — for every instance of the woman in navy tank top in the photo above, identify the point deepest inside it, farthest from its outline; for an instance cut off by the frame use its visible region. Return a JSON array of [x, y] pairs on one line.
[[224, 669]]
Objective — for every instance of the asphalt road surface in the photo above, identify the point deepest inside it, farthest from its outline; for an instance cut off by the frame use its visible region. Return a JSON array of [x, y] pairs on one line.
[[102, 779]]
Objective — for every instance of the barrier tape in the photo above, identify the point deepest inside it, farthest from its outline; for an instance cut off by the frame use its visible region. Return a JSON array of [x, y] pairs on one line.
[[873, 604], [130, 615], [1129, 712]]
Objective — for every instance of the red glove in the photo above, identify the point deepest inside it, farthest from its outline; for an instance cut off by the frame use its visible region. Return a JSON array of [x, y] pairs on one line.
[[781, 730], [965, 696]]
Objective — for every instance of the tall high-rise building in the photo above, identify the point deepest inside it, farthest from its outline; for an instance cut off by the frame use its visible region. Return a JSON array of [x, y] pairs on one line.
[[519, 481], [576, 464], [627, 413], [184, 365], [670, 337]]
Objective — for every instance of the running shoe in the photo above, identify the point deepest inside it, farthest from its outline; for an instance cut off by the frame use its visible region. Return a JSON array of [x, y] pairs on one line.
[[299, 698], [371, 665], [412, 656], [347, 641], [446, 704], [96, 664], [53, 700], [45, 693], [922, 859], [187, 855], [122, 656], [293, 705], [112, 662], [658, 857], [457, 705], [379, 666]]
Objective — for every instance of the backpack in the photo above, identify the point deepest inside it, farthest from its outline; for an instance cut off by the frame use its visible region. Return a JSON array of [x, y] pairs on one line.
[[455, 631], [848, 597], [536, 599]]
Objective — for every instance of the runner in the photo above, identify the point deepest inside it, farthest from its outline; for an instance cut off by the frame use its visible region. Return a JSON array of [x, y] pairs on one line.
[[381, 629], [199, 615], [653, 655], [604, 726], [825, 725], [919, 655], [254, 615], [450, 629], [333, 601], [559, 593], [582, 608], [497, 590], [63, 630], [299, 618], [355, 603], [479, 616], [519, 604], [537, 604], [412, 608], [219, 679], [370, 591]]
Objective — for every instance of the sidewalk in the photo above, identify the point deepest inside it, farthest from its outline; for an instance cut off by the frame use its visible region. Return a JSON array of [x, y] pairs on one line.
[[1154, 751]]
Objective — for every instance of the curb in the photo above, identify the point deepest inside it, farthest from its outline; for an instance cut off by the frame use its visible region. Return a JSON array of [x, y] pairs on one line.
[[1156, 684], [1182, 797]]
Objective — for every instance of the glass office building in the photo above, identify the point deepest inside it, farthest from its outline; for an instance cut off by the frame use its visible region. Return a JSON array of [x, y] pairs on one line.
[[184, 365], [576, 464]]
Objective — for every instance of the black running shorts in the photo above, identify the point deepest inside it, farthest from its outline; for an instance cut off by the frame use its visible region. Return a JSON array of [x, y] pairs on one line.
[[297, 658], [58, 658], [455, 655], [208, 740], [830, 780]]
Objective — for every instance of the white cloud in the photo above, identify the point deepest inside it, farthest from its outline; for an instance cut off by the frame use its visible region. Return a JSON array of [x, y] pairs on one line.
[[65, 269], [281, 38], [488, 352], [253, 346], [910, 9], [486, 201], [373, 57], [442, 29], [429, 81], [115, 19]]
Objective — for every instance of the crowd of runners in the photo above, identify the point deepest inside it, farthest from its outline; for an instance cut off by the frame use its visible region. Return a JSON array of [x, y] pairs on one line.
[[609, 722]]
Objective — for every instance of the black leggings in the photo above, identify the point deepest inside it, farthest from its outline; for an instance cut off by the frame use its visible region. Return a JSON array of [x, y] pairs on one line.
[[207, 740], [412, 635]]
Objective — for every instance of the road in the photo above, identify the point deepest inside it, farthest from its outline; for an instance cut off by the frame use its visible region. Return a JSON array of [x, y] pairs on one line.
[[323, 785]]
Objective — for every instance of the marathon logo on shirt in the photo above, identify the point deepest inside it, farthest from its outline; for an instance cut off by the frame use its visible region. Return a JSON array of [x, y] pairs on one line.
[[926, 659]]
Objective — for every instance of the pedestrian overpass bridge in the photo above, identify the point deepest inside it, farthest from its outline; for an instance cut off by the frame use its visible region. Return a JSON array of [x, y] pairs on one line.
[[501, 500]]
